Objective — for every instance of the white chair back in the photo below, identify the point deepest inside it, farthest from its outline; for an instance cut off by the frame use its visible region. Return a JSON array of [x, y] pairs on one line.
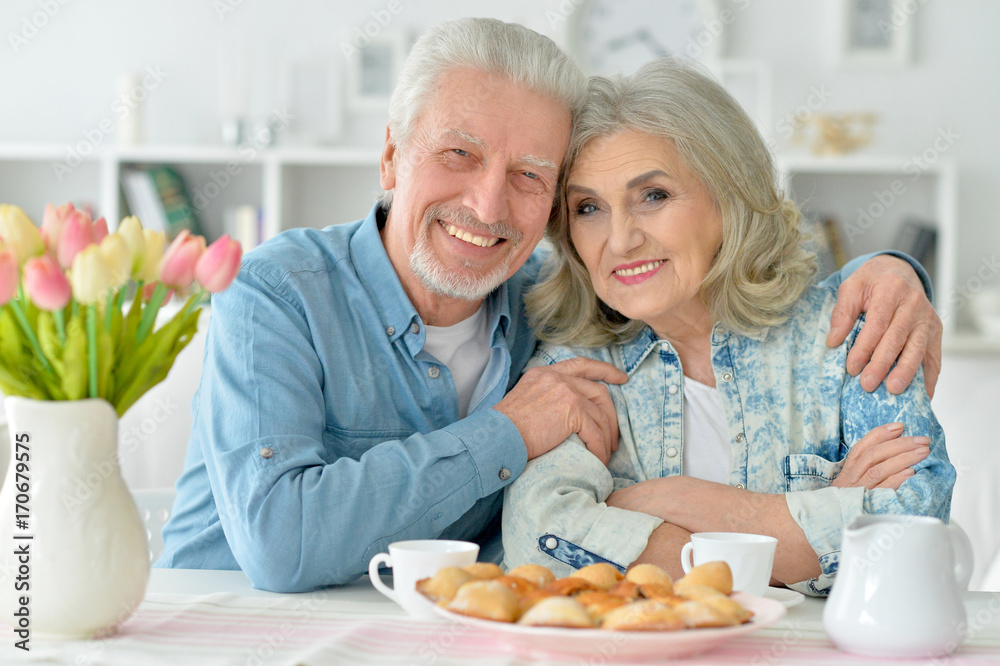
[[155, 505]]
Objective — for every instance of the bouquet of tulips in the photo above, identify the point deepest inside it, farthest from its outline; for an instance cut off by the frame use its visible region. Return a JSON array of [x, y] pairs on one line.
[[64, 331]]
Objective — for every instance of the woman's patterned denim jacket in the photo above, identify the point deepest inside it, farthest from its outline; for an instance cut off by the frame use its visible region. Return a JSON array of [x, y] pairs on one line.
[[792, 413]]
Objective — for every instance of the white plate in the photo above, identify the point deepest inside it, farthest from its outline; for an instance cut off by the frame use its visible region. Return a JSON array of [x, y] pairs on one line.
[[785, 596], [618, 645]]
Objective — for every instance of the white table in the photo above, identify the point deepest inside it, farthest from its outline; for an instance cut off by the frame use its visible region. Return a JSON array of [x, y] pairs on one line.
[[217, 618]]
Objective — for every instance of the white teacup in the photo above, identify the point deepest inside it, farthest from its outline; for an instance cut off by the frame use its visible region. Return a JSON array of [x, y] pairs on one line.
[[413, 560], [749, 556]]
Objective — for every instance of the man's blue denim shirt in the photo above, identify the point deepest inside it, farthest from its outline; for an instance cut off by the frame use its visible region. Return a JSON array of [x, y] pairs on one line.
[[315, 355]]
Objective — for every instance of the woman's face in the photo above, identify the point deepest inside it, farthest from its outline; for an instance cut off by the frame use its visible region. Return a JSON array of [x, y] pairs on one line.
[[645, 227]]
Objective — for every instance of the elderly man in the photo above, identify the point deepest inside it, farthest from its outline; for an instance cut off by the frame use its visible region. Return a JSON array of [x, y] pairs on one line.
[[361, 382]]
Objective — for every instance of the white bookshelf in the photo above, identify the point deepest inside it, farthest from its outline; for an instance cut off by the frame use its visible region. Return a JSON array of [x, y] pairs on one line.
[[293, 186], [847, 187]]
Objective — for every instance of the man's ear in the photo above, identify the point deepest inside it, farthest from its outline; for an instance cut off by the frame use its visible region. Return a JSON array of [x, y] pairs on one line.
[[387, 166]]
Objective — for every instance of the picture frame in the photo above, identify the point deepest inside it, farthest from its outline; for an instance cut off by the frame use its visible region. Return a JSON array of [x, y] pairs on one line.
[[373, 70], [876, 33]]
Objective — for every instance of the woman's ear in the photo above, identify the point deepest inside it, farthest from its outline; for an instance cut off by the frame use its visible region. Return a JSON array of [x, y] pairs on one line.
[[387, 165]]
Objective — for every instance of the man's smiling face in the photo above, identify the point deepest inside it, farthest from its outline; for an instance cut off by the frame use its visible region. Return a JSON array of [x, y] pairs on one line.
[[473, 185]]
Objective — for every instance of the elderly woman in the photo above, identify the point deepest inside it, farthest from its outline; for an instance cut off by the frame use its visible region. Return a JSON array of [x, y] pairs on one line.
[[677, 259]]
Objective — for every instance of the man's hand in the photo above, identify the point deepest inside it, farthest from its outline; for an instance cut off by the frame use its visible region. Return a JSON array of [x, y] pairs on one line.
[[899, 319], [882, 459], [552, 402]]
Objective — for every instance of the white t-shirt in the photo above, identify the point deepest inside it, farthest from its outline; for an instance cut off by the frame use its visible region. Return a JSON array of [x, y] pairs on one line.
[[465, 349], [707, 452]]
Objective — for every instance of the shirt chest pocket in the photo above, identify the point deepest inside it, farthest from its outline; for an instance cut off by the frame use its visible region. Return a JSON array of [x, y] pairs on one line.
[[806, 471], [354, 442]]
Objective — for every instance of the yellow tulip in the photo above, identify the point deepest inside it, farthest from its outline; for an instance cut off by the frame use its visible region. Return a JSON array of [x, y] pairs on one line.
[[20, 233], [90, 275], [116, 253], [131, 230], [150, 269]]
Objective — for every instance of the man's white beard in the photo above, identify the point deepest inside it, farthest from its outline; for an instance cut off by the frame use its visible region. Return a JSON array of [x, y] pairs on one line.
[[455, 284]]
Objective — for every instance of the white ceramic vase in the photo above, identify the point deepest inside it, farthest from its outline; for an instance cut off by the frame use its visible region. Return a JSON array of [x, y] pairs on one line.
[[80, 559]]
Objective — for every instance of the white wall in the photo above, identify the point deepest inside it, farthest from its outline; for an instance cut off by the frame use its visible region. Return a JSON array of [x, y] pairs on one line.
[[61, 83]]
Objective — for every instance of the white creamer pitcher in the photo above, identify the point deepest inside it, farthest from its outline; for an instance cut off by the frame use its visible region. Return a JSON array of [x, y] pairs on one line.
[[898, 591]]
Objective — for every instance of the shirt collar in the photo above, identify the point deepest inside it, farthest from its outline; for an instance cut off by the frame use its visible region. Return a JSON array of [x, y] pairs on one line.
[[635, 351], [380, 280]]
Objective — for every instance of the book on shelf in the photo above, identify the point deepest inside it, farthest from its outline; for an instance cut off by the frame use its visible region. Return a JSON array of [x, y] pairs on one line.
[[917, 239], [157, 196], [824, 239]]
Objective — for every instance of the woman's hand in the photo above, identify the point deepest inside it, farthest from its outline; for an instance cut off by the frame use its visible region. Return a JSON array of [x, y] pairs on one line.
[[882, 459]]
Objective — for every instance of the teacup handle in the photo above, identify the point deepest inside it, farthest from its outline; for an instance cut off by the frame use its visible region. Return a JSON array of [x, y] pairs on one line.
[[386, 559], [686, 553], [962, 547]]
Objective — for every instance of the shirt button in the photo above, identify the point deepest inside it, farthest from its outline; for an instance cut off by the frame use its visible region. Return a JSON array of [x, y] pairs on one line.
[[266, 452], [551, 543], [672, 452], [740, 486], [720, 329], [672, 389], [433, 372], [504, 474], [390, 330], [414, 328], [727, 376], [740, 438]]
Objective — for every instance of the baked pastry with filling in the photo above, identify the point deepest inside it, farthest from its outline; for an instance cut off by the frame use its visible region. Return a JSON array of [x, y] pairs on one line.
[[648, 574], [484, 570], [536, 573], [715, 574], [602, 575], [486, 599], [643, 616], [558, 612], [442, 586]]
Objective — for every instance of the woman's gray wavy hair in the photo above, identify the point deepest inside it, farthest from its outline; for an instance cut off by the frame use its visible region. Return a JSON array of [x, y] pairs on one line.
[[762, 267], [487, 45]]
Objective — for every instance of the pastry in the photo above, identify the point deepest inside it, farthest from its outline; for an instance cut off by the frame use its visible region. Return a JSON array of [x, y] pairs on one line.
[[558, 612], [729, 607], [536, 573], [648, 574], [715, 574], [697, 614], [529, 599], [643, 616], [602, 575], [442, 586], [658, 593], [625, 589], [566, 587], [484, 570], [599, 604], [519, 586], [485, 599], [693, 591]]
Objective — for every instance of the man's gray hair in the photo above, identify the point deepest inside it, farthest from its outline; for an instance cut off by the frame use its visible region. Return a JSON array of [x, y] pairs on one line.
[[509, 50]]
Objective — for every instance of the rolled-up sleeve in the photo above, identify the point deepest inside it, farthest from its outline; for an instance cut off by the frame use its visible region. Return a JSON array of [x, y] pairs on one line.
[[561, 495]]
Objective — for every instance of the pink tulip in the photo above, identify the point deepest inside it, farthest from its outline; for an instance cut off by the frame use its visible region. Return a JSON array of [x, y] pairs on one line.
[[218, 267], [53, 222], [150, 287], [78, 233], [46, 283], [100, 230], [8, 275], [179, 260]]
